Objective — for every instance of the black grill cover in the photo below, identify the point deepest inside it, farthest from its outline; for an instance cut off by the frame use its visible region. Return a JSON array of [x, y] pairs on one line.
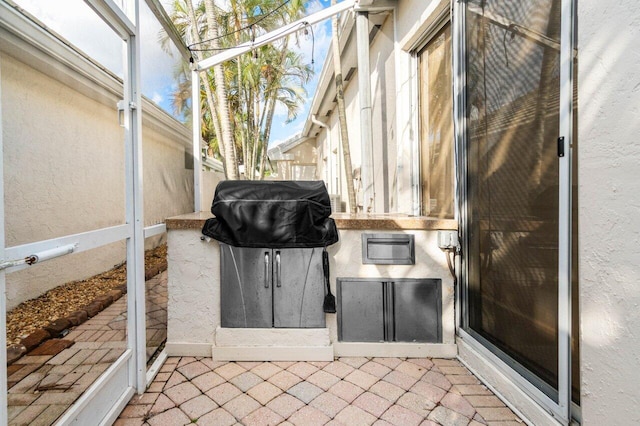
[[271, 214]]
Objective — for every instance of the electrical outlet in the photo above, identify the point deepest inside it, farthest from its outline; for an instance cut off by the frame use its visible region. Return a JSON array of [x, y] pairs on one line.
[[447, 239]]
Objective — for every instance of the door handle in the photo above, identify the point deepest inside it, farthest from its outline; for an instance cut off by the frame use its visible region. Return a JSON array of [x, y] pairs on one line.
[[267, 278], [278, 281]]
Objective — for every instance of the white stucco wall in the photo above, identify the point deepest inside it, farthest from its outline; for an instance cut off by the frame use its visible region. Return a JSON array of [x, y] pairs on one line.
[[609, 200], [63, 156], [193, 309], [168, 185], [304, 154], [64, 168]]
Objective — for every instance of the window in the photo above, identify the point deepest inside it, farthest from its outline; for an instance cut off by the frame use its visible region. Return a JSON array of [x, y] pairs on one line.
[[436, 126]]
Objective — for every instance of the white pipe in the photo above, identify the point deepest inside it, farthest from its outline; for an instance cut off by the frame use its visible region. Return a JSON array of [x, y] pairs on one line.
[[314, 120], [197, 136], [40, 256], [11, 263], [50, 254], [364, 95], [3, 284], [272, 36]]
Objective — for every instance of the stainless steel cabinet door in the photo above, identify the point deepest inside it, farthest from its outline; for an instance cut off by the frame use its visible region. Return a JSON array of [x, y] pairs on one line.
[[417, 310], [245, 288], [361, 316], [402, 310], [298, 288]]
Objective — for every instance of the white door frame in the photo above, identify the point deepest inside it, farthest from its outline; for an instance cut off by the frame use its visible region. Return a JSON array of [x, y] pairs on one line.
[[3, 290]]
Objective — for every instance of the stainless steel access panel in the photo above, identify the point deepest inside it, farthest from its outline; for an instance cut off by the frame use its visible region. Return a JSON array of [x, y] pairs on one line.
[[361, 313], [390, 310], [263, 288], [388, 249]]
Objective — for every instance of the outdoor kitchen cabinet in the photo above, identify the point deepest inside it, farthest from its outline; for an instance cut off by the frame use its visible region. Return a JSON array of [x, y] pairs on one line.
[[264, 288], [390, 310]]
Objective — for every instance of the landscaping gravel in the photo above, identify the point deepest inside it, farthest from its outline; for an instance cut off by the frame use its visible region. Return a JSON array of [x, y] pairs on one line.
[[67, 298]]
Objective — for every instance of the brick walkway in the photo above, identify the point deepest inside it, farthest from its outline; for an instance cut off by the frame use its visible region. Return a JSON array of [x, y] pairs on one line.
[[348, 391], [46, 381]]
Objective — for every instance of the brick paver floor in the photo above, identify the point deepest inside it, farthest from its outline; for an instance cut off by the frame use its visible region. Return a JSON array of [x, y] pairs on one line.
[[44, 383], [347, 391]]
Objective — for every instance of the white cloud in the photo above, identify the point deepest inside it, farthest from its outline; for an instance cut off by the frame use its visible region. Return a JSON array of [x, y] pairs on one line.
[[157, 97], [77, 23]]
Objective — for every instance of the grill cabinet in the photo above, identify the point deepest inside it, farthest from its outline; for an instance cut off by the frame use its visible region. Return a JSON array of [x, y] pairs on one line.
[[262, 287], [272, 236]]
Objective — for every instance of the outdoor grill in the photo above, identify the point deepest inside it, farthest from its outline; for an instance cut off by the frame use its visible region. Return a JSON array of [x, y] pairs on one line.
[[273, 214], [274, 266]]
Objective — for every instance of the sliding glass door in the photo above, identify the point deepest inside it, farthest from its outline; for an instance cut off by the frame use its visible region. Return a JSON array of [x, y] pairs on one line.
[[517, 208]]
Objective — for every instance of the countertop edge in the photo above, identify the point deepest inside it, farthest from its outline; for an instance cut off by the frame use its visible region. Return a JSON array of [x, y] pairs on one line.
[[343, 221]]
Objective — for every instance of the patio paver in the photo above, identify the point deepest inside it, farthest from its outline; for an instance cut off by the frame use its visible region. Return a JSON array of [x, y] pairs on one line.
[[45, 382], [347, 391]]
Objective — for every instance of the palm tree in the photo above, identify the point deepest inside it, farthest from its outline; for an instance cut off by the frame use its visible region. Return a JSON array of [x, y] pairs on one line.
[[226, 133], [250, 86], [187, 22], [285, 87], [342, 116]]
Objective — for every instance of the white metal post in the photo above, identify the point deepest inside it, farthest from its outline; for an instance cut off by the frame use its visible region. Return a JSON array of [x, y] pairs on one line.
[[564, 219], [414, 139], [134, 207], [364, 95], [197, 136], [459, 125], [3, 292]]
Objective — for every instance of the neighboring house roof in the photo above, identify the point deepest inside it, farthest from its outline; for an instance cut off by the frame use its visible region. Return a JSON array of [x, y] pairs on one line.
[[279, 152]]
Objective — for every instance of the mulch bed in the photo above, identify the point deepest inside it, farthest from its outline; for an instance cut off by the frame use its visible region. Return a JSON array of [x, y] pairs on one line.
[[60, 302]]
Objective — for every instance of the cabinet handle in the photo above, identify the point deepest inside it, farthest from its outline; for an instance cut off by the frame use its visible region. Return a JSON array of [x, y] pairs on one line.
[[267, 278], [278, 282]]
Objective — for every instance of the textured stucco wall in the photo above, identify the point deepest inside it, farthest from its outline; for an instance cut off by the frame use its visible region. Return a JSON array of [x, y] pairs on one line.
[[168, 185], [609, 223], [63, 156], [305, 153], [64, 172], [194, 289]]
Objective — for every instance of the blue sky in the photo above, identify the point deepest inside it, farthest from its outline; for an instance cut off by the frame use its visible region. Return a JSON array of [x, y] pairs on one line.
[[322, 34], [76, 22]]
